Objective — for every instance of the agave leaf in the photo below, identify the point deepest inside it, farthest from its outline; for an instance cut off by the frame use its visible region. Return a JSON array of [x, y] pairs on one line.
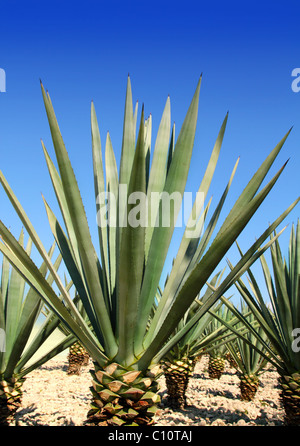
[[28, 309], [158, 170], [43, 333], [205, 239], [78, 279], [147, 146], [135, 119], [19, 341], [257, 293], [161, 237], [204, 186], [99, 184], [4, 279], [60, 347], [2, 318], [86, 248], [198, 278], [255, 182], [185, 261], [112, 187], [236, 357], [65, 248], [32, 300], [34, 236], [273, 330], [131, 261], [58, 189], [284, 308], [23, 263], [128, 143], [266, 351], [270, 330], [171, 148], [13, 304], [3, 297]]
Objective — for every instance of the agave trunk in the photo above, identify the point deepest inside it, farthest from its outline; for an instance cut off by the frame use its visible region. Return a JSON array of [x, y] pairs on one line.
[[177, 375], [248, 386], [123, 397], [78, 357], [290, 397], [216, 367], [10, 399]]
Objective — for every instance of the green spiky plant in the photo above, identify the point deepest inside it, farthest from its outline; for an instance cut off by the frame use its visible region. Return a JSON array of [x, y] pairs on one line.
[[229, 358], [217, 351], [279, 317], [179, 363], [78, 357], [25, 334], [209, 337], [249, 361], [118, 289]]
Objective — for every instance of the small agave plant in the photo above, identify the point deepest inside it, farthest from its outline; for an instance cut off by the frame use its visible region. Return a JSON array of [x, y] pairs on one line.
[[217, 351], [278, 318], [78, 357], [118, 287], [250, 359], [179, 363], [24, 334]]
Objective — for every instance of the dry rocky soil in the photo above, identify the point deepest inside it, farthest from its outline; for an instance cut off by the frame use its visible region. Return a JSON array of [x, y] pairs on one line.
[[53, 398]]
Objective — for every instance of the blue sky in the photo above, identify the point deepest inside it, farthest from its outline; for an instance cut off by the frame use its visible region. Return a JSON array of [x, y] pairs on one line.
[[84, 51]]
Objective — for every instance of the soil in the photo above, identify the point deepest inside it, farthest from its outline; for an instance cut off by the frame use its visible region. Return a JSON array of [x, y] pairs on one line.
[[51, 397]]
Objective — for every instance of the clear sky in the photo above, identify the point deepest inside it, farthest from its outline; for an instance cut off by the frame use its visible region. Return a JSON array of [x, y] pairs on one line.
[[83, 51]]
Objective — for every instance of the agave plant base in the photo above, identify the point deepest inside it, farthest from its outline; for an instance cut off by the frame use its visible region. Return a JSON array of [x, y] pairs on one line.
[[216, 367], [123, 397], [248, 387], [10, 399], [177, 375], [290, 397], [78, 357]]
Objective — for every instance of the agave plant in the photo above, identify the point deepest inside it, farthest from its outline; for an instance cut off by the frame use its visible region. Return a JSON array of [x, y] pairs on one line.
[[279, 318], [178, 364], [118, 288], [78, 357], [249, 361], [25, 335], [216, 362], [217, 351], [209, 337]]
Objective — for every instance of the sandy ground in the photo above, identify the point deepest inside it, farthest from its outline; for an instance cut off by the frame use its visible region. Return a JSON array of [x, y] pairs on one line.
[[53, 398]]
